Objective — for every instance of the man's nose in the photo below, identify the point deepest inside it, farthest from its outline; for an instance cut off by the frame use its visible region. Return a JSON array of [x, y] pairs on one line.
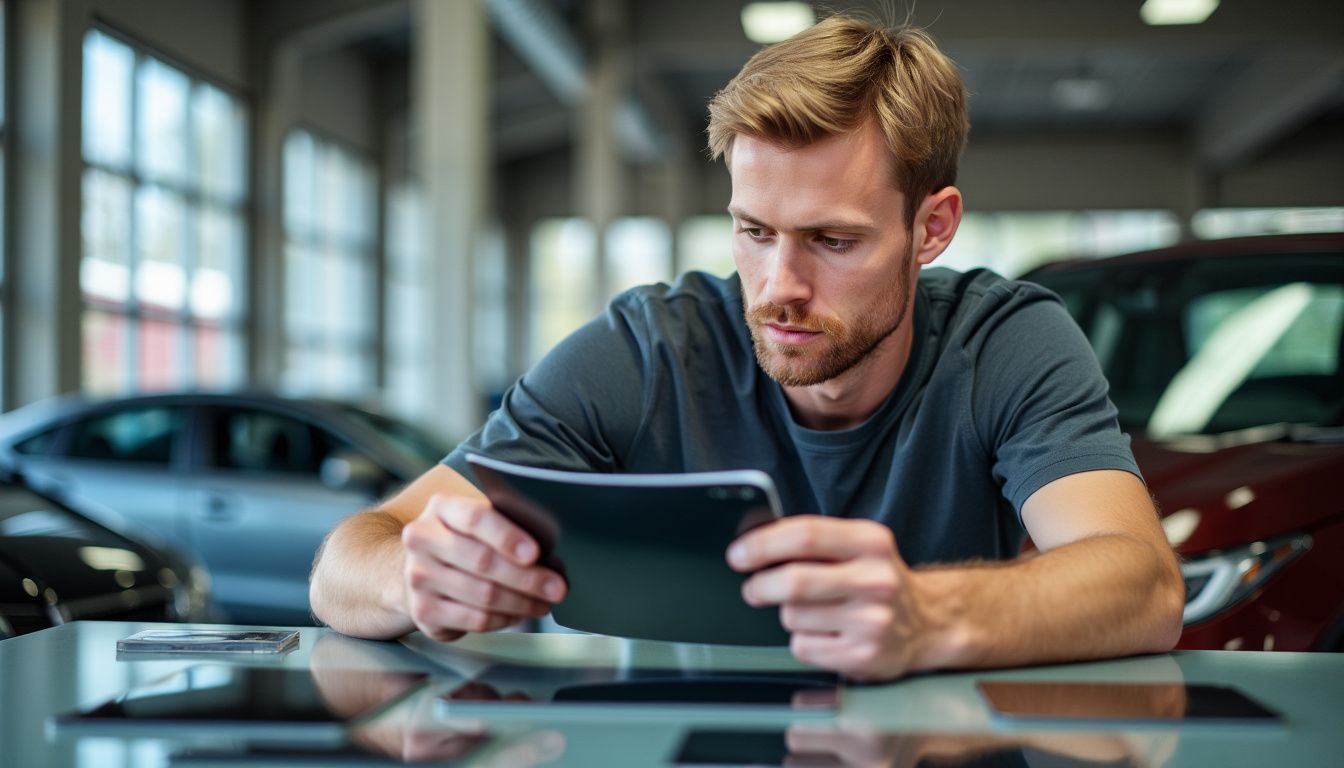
[[790, 279]]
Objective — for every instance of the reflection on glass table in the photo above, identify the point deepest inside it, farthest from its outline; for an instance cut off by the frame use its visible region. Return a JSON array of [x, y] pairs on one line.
[[352, 676], [271, 704], [838, 746]]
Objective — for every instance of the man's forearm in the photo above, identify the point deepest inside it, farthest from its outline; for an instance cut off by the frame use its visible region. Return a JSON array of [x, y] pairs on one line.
[[1108, 595], [357, 585]]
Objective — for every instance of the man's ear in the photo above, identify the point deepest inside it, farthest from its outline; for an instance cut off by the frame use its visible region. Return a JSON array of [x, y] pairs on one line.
[[936, 222]]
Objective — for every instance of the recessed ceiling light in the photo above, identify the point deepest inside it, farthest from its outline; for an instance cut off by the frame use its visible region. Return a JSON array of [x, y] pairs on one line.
[[1159, 12], [771, 22], [1082, 94]]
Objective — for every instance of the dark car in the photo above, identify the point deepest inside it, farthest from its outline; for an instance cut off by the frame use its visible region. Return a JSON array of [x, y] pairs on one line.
[[1225, 362], [56, 565], [247, 482]]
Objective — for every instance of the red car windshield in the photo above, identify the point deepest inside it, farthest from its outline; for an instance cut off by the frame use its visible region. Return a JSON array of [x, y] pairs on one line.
[[1214, 345]]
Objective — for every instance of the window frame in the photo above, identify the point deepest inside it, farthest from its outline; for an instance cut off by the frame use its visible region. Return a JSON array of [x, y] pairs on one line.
[[314, 239], [195, 200]]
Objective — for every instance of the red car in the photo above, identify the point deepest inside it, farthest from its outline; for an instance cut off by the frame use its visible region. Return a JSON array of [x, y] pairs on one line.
[[1225, 361]]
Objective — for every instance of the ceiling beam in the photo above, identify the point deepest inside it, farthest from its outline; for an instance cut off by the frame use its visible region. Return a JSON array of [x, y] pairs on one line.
[[712, 27], [541, 38], [1274, 96]]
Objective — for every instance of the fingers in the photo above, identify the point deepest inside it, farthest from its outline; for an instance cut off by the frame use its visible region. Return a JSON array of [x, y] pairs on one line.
[[867, 577], [857, 659], [477, 519], [445, 619], [809, 537], [817, 619], [473, 557], [845, 746], [480, 593], [469, 569], [859, 621], [432, 536]]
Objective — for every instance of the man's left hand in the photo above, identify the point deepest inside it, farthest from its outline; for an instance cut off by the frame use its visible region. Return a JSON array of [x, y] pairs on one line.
[[844, 593]]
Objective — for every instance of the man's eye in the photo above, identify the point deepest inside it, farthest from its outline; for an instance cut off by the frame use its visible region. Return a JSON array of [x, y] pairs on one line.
[[755, 233], [837, 243]]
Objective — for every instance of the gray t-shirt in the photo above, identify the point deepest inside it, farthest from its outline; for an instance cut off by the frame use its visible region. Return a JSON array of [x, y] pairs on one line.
[[1001, 395]]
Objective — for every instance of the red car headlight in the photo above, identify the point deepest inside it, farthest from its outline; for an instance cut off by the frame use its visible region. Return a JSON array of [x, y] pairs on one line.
[[1216, 582]]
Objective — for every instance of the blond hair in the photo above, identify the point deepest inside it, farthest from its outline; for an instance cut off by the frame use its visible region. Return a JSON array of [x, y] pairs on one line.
[[833, 77]]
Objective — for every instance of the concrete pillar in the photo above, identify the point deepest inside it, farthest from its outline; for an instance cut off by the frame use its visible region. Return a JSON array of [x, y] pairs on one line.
[[517, 239], [1199, 190], [450, 89], [600, 177], [45, 307], [278, 80], [675, 188]]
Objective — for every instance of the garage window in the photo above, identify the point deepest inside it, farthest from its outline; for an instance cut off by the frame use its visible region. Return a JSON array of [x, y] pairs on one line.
[[164, 193], [330, 212]]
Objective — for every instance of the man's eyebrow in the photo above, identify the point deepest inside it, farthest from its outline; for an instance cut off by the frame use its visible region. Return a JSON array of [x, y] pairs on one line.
[[738, 213], [835, 226]]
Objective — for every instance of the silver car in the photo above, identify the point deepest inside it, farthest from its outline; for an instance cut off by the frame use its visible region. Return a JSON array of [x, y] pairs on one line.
[[249, 483]]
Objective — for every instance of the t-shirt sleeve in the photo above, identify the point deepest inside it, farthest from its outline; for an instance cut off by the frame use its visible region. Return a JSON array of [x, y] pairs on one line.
[[578, 409], [1040, 399]]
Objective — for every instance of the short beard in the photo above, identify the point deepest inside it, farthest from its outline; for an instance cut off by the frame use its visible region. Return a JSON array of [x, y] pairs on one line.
[[847, 348]]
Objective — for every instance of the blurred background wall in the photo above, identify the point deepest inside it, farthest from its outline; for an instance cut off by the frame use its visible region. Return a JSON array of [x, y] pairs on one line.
[[408, 202]]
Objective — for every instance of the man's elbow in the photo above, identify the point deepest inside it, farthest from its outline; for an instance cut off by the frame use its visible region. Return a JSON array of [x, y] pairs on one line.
[[320, 599], [1168, 608], [317, 602]]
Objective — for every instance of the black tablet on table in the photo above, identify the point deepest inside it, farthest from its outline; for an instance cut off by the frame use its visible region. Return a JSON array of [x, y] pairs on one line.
[[644, 555], [1083, 701], [259, 704]]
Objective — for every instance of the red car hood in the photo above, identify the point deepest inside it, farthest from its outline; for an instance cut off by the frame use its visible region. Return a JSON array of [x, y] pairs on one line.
[[1238, 490]]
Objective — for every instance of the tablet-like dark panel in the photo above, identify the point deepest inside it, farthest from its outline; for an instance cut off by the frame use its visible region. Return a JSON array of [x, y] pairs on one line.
[[644, 560]]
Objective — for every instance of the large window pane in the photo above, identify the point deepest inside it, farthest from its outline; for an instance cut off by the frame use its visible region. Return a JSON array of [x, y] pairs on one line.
[[330, 225], [161, 118], [105, 352], [160, 274], [300, 167], [490, 316], [218, 121], [1013, 243], [107, 100], [334, 372], [561, 293], [639, 251], [347, 371], [1237, 222], [354, 208], [221, 159], [303, 270], [408, 381], [347, 302], [105, 272], [219, 356], [705, 243], [162, 362], [163, 224], [216, 282]]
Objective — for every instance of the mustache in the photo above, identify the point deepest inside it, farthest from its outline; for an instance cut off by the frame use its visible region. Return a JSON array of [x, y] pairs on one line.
[[787, 314]]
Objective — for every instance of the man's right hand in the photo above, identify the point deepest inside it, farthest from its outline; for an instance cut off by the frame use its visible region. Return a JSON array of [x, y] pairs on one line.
[[470, 569]]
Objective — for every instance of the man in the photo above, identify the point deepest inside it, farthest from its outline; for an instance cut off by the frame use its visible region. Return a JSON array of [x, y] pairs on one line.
[[920, 417]]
